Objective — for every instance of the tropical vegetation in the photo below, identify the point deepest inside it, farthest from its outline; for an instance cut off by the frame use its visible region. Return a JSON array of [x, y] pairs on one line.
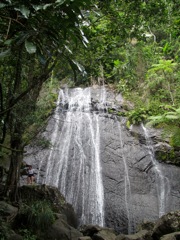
[[132, 46]]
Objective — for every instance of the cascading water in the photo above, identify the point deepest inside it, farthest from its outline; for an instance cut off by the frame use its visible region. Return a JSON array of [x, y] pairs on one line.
[[162, 182], [84, 136], [127, 187], [55, 131], [74, 161]]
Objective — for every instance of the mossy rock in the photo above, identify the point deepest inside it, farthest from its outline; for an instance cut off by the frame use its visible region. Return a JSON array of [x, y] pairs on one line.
[[31, 193], [170, 157]]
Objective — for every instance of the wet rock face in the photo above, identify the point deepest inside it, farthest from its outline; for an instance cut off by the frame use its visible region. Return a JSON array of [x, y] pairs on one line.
[[166, 228], [136, 187]]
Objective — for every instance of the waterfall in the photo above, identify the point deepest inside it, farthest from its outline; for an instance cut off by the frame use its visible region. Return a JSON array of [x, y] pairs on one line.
[[127, 187], [73, 163], [162, 182], [105, 171], [54, 133]]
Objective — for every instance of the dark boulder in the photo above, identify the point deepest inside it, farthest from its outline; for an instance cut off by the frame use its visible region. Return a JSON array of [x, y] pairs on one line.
[[8, 212], [141, 235], [84, 238], [171, 236], [51, 194], [98, 233], [60, 230], [90, 230], [168, 223], [105, 234]]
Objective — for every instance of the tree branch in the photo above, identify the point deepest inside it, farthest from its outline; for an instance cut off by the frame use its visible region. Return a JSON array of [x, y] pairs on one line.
[[40, 79], [11, 149], [13, 20]]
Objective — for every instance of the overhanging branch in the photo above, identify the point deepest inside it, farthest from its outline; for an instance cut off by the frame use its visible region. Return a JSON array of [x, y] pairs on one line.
[[39, 80], [11, 149]]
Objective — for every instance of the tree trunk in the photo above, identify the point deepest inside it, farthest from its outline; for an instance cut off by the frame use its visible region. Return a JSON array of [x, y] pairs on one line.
[[12, 183]]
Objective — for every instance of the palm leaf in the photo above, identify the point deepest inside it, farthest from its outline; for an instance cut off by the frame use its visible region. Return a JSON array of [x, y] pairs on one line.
[[5, 53], [25, 11], [171, 117], [30, 47]]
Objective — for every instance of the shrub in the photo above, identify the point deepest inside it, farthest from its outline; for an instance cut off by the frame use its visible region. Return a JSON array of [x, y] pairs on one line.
[[38, 215], [5, 230], [27, 235], [139, 115]]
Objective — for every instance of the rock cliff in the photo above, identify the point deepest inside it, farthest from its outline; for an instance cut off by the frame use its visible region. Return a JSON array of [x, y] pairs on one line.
[[136, 185]]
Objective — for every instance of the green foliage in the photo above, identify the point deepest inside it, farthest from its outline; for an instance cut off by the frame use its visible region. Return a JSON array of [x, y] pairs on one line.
[[174, 132], [163, 81], [33, 36], [168, 157], [38, 214], [30, 23], [30, 43], [138, 115], [30, 47], [133, 44], [27, 234], [167, 117], [36, 121], [111, 111], [171, 123], [164, 66], [5, 230]]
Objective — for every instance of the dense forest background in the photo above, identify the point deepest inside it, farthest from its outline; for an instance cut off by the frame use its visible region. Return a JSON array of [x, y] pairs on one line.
[[132, 46]]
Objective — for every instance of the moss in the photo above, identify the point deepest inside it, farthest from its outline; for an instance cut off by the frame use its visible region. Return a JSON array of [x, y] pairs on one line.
[[122, 114], [111, 111], [128, 124], [170, 157]]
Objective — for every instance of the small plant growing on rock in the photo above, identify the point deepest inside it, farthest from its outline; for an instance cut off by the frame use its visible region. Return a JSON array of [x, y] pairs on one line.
[[38, 215], [139, 115], [27, 235]]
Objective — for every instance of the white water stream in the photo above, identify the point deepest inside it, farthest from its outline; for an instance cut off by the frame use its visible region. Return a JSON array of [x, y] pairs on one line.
[[74, 159], [162, 182], [127, 186]]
